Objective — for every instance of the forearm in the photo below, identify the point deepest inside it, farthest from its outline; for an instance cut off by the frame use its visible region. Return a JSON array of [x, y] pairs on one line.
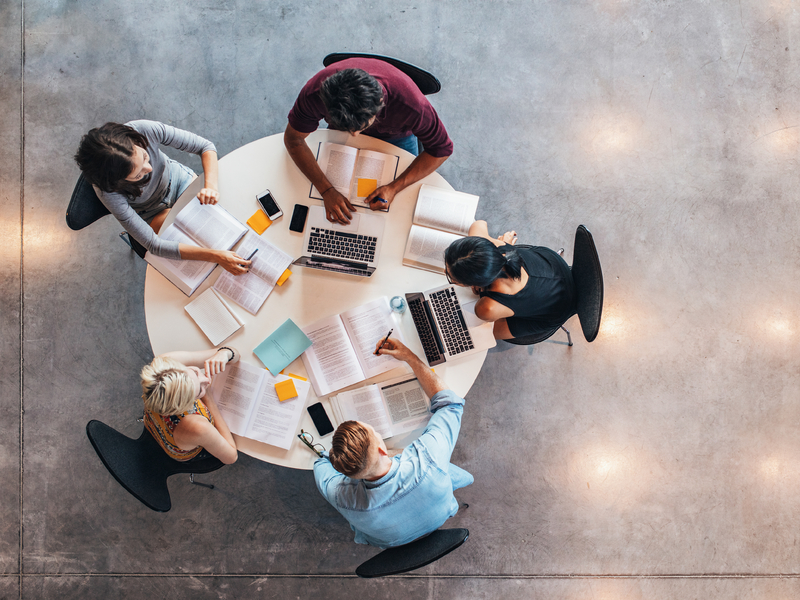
[[189, 252], [302, 156], [197, 358], [210, 170], [431, 383], [423, 165]]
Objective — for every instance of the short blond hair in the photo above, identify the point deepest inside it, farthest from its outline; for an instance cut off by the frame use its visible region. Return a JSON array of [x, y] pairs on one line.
[[166, 388], [349, 453]]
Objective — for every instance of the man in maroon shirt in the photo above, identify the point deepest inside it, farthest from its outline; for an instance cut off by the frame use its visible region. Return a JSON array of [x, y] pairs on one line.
[[370, 96]]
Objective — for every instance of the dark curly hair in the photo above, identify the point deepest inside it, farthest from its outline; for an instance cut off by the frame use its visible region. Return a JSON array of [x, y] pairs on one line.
[[352, 97]]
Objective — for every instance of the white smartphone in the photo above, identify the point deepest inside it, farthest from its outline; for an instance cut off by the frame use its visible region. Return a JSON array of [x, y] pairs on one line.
[[268, 205]]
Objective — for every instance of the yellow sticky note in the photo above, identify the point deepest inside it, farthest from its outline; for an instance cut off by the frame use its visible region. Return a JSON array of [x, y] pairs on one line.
[[286, 390], [366, 187], [259, 222], [282, 279], [293, 375]]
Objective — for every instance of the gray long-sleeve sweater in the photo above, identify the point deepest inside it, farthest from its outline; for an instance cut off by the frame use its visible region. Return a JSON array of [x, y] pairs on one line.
[[127, 211]]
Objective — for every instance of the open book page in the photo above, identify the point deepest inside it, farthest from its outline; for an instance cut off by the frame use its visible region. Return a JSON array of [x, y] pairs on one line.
[[210, 225], [367, 325], [366, 404], [187, 275], [445, 209], [247, 290], [408, 406], [269, 262], [274, 422], [235, 391], [250, 290], [337, 162], [213, 315], [331, 361], [425, 248], [372, 170]]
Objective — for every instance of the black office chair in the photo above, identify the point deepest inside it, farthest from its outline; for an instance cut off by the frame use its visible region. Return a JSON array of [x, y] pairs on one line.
[[426, 82], [142, 467], [415, 555], [588, 278], [85, 208]]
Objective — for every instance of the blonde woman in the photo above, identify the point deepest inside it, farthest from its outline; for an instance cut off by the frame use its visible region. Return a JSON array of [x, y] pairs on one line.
[[178, 413]]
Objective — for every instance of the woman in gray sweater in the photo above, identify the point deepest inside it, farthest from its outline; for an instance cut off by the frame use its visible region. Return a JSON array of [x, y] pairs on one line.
[[138, 183]]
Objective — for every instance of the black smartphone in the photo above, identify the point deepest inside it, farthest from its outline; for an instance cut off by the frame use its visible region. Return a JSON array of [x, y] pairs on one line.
[[320, 419], [299, 215], [268, 205]]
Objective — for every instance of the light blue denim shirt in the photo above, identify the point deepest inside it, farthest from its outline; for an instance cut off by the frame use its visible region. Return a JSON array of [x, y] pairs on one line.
[[416, 496]]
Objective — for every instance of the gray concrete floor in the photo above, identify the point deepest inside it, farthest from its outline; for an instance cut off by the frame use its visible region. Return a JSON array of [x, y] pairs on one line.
[[661, 461]]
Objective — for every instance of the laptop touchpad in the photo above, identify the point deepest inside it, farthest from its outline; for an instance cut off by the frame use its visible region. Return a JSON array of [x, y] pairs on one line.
[[352, 226]]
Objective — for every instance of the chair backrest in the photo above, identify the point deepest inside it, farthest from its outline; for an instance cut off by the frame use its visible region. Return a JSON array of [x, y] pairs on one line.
[[588, 277], [415, 555], [84, 206], [141, 466], [426, 82]]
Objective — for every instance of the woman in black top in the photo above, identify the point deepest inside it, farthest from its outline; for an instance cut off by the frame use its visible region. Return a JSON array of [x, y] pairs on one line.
[[524, 290]]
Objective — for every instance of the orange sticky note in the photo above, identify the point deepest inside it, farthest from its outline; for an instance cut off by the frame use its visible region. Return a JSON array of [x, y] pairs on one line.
[[259, 222], [282, 279], [293, 375], [366, 187], [286, 390]]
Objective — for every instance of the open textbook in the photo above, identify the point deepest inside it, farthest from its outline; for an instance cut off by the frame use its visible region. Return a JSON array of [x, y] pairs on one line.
[[247, 399], [343, 346], [204, 225], [251, 289], [354, 173], [213, 315], [441, 217], [391, 407]]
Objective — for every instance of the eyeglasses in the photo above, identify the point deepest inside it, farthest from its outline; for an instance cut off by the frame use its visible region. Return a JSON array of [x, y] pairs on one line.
[[449, 279], [308, 440]]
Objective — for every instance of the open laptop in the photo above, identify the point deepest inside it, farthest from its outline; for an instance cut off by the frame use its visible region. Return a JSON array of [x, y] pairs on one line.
[[352, 249], [447, 328]]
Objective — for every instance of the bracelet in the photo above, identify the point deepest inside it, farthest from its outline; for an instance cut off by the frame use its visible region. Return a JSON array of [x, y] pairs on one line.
[[233, 354], [328, 190]]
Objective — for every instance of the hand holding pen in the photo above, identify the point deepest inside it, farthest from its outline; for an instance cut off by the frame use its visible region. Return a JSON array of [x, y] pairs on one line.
[[383, 343]]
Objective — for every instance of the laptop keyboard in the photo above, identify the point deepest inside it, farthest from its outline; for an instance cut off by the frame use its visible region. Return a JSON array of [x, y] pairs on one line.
[[426, 336], [339, 244], [452, 326]]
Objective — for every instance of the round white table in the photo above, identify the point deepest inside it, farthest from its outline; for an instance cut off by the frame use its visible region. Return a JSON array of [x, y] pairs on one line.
[[309, 294]]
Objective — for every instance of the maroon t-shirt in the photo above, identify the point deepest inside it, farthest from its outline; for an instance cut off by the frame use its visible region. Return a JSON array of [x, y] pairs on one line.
[[407, 110]]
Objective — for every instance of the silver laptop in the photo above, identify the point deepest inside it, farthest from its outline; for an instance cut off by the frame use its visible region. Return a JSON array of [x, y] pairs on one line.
[[446, 327], [352, 249]]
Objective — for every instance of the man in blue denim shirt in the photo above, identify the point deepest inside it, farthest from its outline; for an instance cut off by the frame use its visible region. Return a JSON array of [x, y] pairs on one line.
[[393, 501]]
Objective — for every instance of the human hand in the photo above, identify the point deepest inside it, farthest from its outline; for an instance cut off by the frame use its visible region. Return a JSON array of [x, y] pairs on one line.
[[208, 196], [386, 194], [396, 349], [232, 262], [337, 207], [216, 364], [509, 237], [476, 290]]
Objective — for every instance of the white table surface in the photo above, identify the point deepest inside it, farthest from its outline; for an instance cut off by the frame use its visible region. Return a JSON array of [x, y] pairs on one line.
[[309, 294]]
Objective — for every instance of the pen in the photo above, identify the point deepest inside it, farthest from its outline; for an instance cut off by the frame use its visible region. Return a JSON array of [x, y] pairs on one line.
[[379, 199], [383, 342], [251, 256]]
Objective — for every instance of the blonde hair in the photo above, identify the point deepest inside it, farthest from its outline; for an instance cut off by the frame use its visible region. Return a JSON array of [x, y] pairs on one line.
[[166, 388], [349, 453]]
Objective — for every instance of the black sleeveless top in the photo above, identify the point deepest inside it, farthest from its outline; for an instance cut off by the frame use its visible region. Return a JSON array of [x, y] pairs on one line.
[[547, 300]]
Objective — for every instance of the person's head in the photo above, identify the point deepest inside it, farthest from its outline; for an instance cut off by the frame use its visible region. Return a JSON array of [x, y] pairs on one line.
[[356, 449], [475, 261], [352, 98], [114, 158], [170, 388]]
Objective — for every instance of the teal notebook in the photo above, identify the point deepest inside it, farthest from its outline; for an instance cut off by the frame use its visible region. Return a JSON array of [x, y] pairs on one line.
[[285, 344]]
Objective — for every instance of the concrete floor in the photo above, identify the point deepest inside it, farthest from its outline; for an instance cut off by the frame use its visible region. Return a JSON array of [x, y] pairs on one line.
[[661, 461]]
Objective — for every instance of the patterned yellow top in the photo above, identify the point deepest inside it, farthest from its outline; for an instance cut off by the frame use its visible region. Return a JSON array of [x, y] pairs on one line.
[[162, 428]]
